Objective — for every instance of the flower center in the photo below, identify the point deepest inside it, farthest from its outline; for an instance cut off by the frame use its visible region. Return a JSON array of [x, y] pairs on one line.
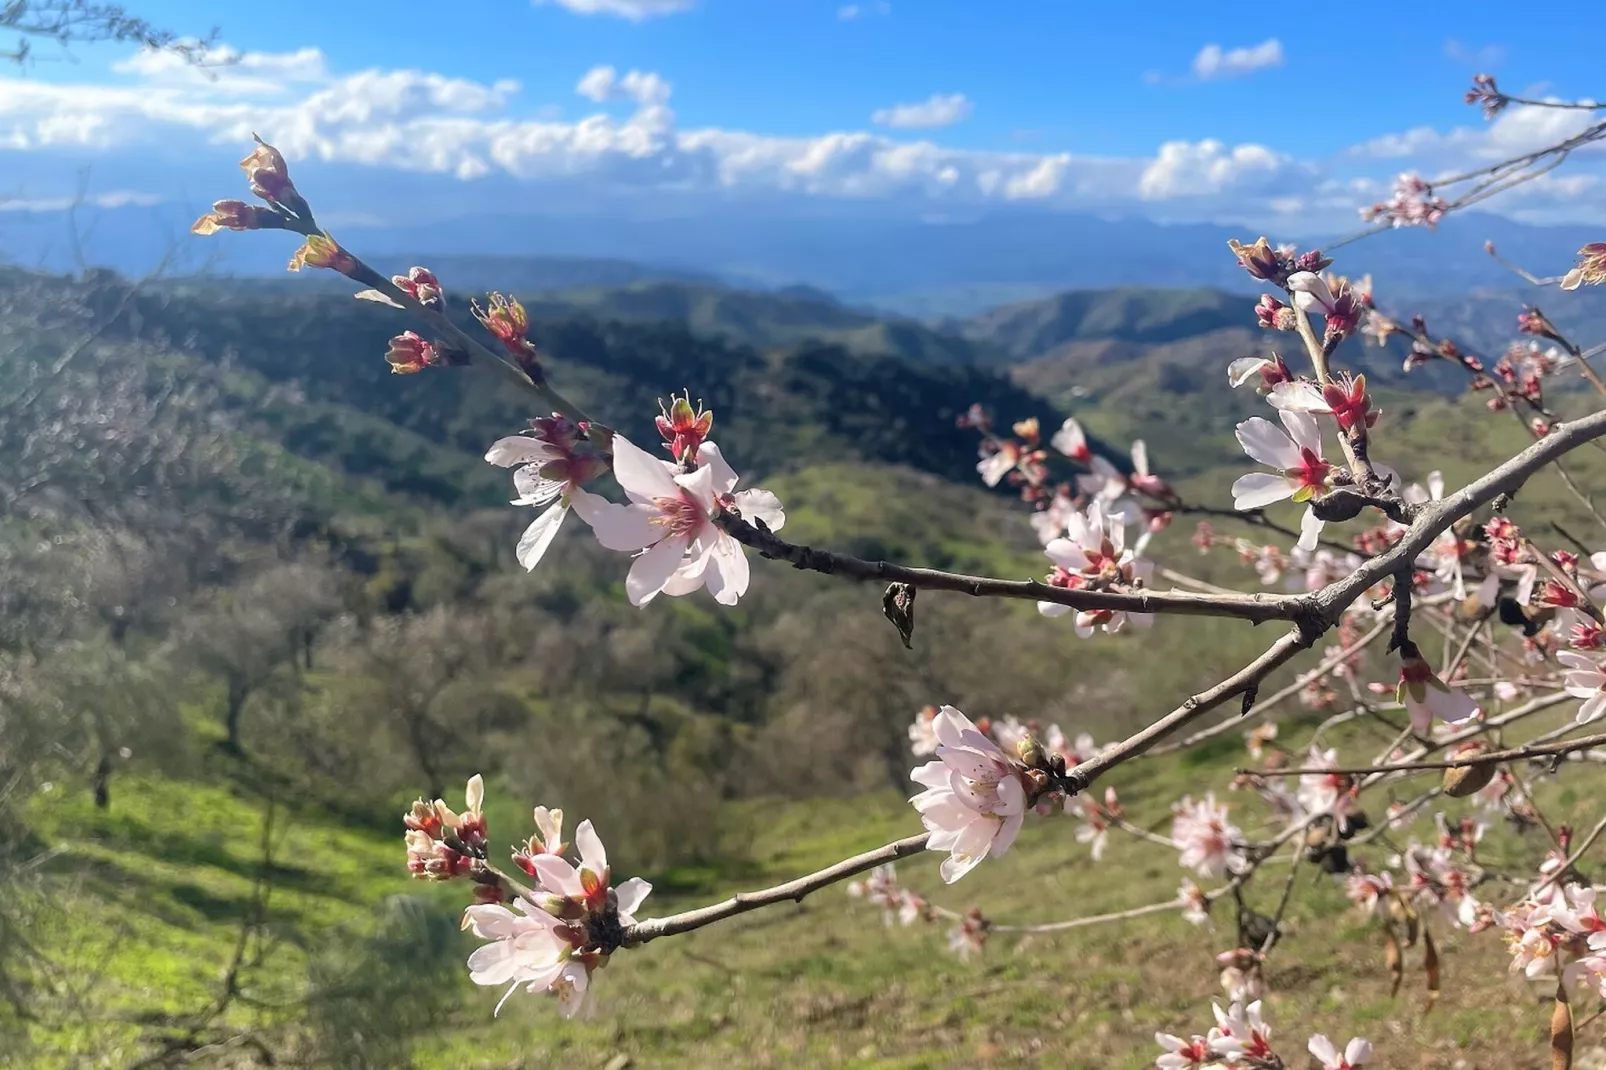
[[680, 514], [1312, 470]]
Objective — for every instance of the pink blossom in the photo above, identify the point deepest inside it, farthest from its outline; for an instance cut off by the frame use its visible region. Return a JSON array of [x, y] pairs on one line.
[[1586, 681], [1072, 442], [974, 800], [1353, 1057], [1210, 845], [671, 519], [1241, 1034], [970, 935], [923, 733], [1183, 1054], [1427, 698], [1094, 555], [1195, 904], [1369, 892], [997, 461], [527, 947], [549, 465], [1095, 828], [1297, 455]]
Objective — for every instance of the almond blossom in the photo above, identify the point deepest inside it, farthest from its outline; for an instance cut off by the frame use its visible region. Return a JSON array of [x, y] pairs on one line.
[[1241, 1034], [1184, 1054], [670, 520], [1094, 556], [1427, 698], [923, 733], [549, 466], [974, 800], [970, 935], [527, 947], [1301, 475], [1584, 680], [1072, 442], [1268, 372], [1353, 1057], [1210, 845], [1195, 903]]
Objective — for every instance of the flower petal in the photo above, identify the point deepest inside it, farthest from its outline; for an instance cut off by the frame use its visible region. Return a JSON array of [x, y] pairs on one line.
[[1266, 443], [1260, 489], [652, 570], [643, 476], [538, 536]]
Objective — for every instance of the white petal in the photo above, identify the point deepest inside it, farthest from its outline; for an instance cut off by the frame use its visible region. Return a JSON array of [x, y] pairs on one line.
[[557, 876], [1266, 443], [1323, 1049], [1052, 609], [727, 573], [652, 570], [1069, 439], [1140, 458], [1357, 1051], [725, 477], [519, 449], [643, 476], [762, 505], [1310, 530], [1298, 396], [700, 485], [593, 855], [539, 535], [1243, 369], [1304, 430], [632, 893], [1260, 489], [617, 527]]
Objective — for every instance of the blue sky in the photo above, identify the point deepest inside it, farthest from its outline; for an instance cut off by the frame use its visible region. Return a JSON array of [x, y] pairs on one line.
[[948, 104]]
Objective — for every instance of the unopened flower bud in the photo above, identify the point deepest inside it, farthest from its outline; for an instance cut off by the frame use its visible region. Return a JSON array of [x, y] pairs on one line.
[[268, 175], [1030, 751], [234, 215], [409, 353], [683, 428], [320, 250]]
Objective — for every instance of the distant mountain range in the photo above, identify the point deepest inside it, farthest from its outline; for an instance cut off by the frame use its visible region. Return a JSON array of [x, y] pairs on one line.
[[921, 267]]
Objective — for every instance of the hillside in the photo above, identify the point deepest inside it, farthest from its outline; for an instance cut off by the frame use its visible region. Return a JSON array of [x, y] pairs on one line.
[[245, 570]]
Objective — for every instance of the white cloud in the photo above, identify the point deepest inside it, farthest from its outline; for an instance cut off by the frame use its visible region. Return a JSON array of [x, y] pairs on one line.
[[1185, 168], [603, 84], [849, 12], [938, 110], [228, 70], [114, 199], [428, 124], [1214, 62], [634, 10]]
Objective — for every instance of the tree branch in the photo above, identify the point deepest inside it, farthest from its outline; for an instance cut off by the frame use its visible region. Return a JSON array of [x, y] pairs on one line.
[[1256, 608], [742, 902]]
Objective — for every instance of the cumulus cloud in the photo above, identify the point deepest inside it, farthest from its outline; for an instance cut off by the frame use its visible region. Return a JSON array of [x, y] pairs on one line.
[[849, 12], [1200, 168], [429, 124], [228, 70], [634, 10], [938, 110], [603, 84], [1213, 62], [114, 199]]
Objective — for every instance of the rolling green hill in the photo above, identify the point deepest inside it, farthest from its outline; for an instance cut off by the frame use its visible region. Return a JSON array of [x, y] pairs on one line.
[[216, 490]]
